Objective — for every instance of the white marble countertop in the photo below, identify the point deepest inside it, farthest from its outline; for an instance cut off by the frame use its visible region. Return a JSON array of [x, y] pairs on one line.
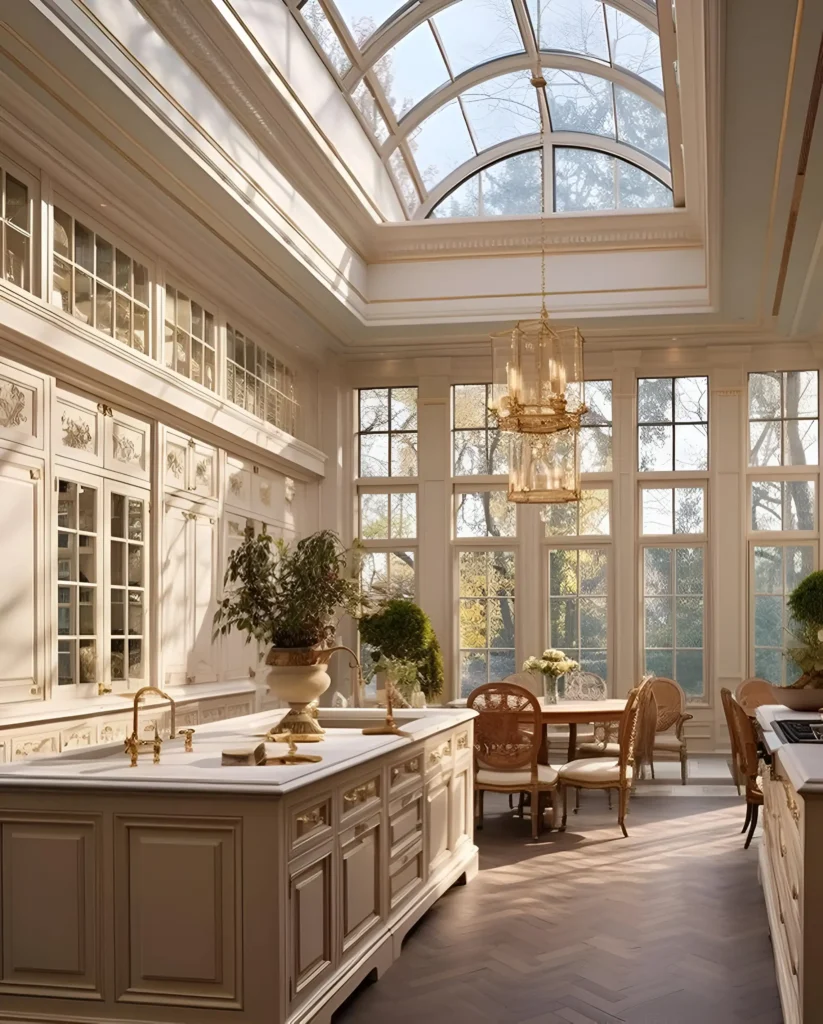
[[803, 762], [344, 746]]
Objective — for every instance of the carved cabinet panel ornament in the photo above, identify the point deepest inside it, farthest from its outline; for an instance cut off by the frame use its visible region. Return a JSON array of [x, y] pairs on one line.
[[124, 447], [76, 433], [12, 404], [175, 463], [236, 483]]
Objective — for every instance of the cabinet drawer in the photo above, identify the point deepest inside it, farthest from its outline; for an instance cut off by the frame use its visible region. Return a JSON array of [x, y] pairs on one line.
[[438, 756], [406, 873], [309, 825], [406, 771], [406, 822], [359, 797]]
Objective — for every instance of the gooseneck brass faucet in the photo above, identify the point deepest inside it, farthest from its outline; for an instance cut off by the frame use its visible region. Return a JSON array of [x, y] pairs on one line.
[[134, 743]]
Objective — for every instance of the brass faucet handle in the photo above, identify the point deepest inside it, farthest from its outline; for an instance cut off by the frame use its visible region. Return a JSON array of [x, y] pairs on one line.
[[132, 746], [158, 743], [188, 733]]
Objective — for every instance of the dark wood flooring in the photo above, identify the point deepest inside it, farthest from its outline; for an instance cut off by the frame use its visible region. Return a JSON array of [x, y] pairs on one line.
[[585, 927]]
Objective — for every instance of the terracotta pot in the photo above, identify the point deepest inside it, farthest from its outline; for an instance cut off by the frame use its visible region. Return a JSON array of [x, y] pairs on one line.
[[807, 699], [298, 675]]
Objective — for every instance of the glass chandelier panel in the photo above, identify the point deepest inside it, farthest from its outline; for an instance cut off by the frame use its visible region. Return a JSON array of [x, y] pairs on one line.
[[545, 468], [537, 377]]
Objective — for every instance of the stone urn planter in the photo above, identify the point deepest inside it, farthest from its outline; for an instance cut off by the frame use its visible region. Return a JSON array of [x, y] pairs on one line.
[[299, 675]]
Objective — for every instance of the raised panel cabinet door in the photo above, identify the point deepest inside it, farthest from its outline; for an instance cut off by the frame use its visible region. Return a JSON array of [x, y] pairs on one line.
[[203, 479], [238, 485], [310, 925], [49, 901], [21, 406], [21, 502], [361, 875], [127, 445], [178, 910], [437, 822], [176, 609], [203, 660], [78, 428], [460, 807]]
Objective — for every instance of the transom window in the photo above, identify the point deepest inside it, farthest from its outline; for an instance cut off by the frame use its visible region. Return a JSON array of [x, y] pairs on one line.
[[259, 382], [15, 230], [784, 505], [97, 282], [190, 338], [783, 418], [672, 424], [484, 514], [387, 432], [672, 510], [460, 150], [478, 447]]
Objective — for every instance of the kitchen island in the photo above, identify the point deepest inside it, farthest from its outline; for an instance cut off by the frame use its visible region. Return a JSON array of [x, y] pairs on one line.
[[791, 854], [177, 891]]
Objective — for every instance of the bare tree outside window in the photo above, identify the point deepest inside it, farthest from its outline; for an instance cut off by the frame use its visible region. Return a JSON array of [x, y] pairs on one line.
[[387, 432], [673, 424]]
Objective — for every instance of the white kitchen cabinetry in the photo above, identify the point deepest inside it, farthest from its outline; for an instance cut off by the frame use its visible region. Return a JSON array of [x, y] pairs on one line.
[[189, 574], [23, 663]]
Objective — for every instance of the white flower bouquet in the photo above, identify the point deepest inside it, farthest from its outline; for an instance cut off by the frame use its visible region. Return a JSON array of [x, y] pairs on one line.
[[551, 665]]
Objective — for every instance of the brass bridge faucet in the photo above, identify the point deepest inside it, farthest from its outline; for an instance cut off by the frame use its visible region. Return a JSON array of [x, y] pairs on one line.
[[133, 743]]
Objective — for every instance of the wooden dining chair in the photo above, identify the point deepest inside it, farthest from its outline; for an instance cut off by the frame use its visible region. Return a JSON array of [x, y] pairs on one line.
[[747, 750], [507, 739], [668, 738], [752, 693], [613, 773], [726, 699]]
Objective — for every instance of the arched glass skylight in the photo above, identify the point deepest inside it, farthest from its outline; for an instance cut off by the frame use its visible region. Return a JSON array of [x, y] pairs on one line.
[[444, 91]]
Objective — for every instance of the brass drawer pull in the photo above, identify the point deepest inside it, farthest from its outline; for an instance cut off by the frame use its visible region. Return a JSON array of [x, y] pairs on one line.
[[311, 819]]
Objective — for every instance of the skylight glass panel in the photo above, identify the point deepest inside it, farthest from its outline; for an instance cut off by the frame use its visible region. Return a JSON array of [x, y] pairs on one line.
[[573, 26], [464, 201], [400, 171], [580, 103], [637, 190], [364, 17], [476, 31], [416, 69], [501, 109], [634, 47], [587, 180], [367, 105], [641, 124], [583, 180], [320, 28], [441, 144], [509, 188], [512, 188]]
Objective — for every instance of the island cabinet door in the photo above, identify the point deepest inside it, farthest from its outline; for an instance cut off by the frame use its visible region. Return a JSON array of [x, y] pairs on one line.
[[361, 876], [437, 821], [311, 922], [460, 805]]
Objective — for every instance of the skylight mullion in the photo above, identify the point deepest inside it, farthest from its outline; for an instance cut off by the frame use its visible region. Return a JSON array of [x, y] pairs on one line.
[[526, 31]]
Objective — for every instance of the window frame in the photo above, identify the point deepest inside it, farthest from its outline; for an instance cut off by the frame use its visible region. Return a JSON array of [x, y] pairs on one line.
[[30, 179], [481, 479], [673, 423], [782, 465], [62, 201], [220, 349], [229, 322], [389, 432]]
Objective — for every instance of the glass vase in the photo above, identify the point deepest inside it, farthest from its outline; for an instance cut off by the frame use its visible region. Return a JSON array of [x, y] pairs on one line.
[[549, 689]]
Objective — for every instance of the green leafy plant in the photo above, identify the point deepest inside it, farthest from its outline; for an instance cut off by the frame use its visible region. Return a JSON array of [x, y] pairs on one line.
[[806, 607], [401, 629], [404, 674], [288, 595], [806, 600]]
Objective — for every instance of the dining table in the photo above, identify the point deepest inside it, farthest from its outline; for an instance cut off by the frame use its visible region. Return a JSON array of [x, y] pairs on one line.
[[571, 713]]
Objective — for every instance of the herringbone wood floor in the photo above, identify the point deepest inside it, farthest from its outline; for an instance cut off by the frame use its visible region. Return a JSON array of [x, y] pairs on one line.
[[585, 927]]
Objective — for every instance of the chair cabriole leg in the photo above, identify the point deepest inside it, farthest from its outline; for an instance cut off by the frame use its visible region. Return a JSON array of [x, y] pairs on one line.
[[748, 817], [752, 825]]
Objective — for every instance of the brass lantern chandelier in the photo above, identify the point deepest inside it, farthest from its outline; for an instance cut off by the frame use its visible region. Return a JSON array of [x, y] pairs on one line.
[[537, 392]]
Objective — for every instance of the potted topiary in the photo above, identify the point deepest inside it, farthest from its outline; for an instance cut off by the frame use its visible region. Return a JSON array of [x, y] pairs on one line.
[[290, 597], [401, 630], [806, 608]]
